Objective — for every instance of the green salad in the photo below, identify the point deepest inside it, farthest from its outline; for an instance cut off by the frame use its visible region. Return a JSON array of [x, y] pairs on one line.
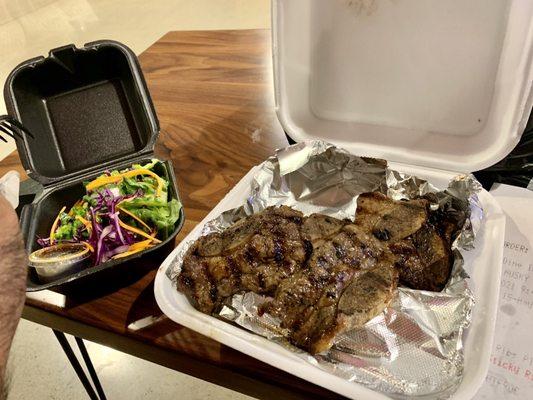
[[123, 212]]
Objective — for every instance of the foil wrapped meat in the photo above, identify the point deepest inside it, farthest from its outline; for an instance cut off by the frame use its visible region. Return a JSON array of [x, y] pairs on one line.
[[315, 199], [325, 275]]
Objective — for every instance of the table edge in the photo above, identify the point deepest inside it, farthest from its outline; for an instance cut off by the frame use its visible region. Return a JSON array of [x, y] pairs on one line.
[[177, 361]]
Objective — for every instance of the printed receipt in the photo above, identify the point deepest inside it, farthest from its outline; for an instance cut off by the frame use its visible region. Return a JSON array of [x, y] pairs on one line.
[[511, 363]]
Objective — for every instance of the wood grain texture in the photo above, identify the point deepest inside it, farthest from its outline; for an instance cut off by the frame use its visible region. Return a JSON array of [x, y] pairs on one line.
[[213, 93], [12, 163]]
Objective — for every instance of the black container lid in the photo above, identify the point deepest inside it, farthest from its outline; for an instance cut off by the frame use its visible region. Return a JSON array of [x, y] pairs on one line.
[[86, 107]]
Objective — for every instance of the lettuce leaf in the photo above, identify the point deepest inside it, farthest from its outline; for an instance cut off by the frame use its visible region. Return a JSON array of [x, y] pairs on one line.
[[68, 229], [156, 212]]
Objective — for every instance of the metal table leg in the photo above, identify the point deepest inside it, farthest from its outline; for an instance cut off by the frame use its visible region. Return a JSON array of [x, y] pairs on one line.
[[90, 368], [78, 368]]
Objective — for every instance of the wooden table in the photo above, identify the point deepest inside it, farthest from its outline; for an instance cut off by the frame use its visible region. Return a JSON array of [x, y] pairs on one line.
[[213, 93]]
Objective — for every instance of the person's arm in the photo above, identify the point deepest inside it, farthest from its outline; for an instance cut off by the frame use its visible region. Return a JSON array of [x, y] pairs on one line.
[[12, 281]]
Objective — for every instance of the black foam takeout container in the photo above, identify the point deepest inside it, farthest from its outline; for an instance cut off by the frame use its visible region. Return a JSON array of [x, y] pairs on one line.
[[89, 110]]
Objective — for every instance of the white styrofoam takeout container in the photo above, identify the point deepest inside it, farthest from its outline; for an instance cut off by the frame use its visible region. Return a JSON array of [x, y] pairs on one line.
[[436, 88], [484, 264]]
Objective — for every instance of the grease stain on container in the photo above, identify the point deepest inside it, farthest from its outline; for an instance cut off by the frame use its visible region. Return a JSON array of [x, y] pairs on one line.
[[508, 309], [362, 7]]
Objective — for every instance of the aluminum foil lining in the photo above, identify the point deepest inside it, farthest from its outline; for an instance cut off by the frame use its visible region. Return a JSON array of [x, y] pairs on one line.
[[413, 348]]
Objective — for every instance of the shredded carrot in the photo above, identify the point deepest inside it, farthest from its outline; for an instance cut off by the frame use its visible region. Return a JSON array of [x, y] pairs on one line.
[[128, 253], [140, 245], [54, 225], [136, 218], [105, 180], [91, 248], [87, 224], [138, 231]]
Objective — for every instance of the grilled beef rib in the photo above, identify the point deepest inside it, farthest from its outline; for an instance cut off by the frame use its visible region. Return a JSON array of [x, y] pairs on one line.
[[324, 275]]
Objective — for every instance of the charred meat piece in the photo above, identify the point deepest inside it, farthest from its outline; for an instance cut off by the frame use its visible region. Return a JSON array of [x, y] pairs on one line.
[[349, 298], [419, 239], [390, 220], [348, 281], [424, 260], [318, 227], [328, 264], [324, 275], [254, 254]]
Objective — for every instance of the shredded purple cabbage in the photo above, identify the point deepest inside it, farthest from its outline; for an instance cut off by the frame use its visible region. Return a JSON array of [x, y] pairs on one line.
[[107, 238]]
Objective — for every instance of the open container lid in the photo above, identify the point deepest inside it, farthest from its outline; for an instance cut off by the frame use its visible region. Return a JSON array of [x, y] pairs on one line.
[[438, 84], [86, 107]]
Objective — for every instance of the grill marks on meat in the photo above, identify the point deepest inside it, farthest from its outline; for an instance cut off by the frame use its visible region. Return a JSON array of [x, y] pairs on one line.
[[254, 254], [325, 275], [348, 280], [390, 220], [356, 297], [419, 239], [423, 259]]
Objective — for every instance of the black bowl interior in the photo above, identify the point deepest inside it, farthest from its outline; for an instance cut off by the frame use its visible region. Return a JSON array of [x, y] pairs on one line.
[[84, 106]]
